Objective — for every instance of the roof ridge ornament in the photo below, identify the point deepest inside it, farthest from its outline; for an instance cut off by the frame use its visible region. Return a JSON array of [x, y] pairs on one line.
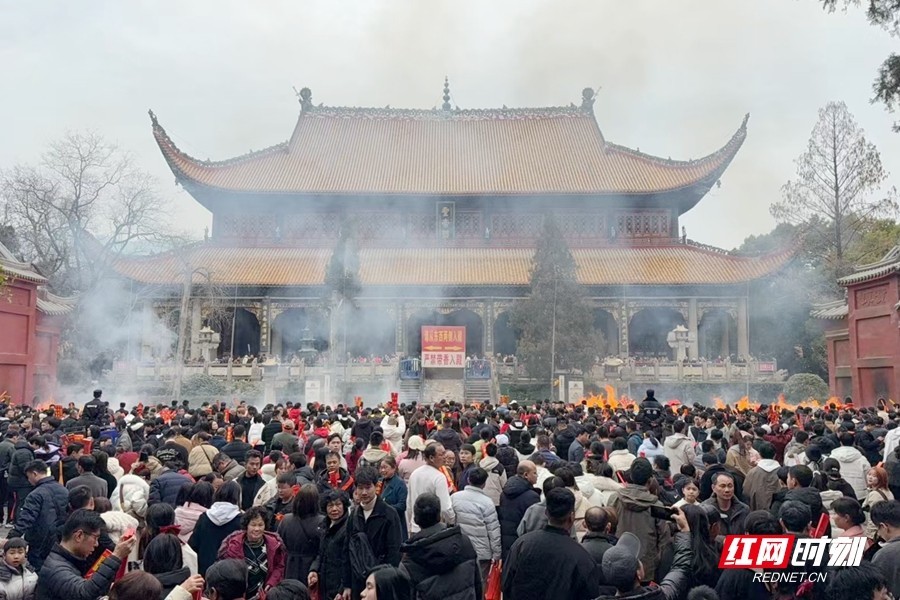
[[304, 96], [587, 99], [153, 118], [446, 104]]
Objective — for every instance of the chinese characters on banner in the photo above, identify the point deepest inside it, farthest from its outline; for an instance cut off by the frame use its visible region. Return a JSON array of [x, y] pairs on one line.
[[443, 347]]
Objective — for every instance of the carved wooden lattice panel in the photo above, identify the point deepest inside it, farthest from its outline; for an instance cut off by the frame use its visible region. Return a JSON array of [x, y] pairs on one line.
[[376, 225], [581, 225], [468, 224], [421, 225], [647, 224], [524, 225]]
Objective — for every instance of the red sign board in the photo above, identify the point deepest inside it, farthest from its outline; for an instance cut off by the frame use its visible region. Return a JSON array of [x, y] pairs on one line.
[[443, 347]]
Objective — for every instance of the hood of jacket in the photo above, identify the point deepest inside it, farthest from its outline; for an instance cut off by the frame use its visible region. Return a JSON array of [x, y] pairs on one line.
[[373, 455], [516, 486], [170, 579], [846, 454], [637, 498], [488, 462], [676, 440], [438, 549], [222, 512], [768, 465], [650, 592]]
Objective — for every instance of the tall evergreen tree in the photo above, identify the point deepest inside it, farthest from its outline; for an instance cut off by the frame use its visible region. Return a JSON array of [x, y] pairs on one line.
[[556, 319]]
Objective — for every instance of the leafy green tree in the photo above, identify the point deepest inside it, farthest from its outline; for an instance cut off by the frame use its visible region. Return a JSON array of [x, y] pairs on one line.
[[556, 318], [803, 386]]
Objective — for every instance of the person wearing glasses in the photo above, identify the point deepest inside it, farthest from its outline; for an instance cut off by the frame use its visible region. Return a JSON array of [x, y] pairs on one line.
[[63, 575]]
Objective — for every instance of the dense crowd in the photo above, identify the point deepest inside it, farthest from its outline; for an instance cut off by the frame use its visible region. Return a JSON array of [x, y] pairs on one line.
[[449, 502]]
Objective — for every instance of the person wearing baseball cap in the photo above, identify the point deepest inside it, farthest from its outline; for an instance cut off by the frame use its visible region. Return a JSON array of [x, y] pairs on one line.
[[623, 572]]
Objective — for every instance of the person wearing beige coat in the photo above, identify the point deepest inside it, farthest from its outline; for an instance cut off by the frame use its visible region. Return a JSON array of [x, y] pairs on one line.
[[200, 459]]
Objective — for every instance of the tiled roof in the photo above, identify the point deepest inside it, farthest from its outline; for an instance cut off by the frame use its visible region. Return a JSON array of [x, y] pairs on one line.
[[53, 305], [15, 268], [889, 264], [446, 267], [830, 311], [352, 151]]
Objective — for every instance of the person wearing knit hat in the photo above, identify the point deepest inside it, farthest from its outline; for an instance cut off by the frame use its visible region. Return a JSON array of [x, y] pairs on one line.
[[17, 579]]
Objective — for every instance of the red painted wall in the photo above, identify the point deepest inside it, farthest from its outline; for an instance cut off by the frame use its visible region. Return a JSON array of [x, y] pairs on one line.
[[874, 340], [29, 341]]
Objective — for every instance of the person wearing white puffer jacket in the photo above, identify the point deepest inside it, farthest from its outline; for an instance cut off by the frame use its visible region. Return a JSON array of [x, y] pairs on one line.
[[394, 428], [854, 465], [133, 492]]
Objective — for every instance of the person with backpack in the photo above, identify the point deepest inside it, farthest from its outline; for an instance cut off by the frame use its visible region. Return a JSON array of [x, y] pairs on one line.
[[373, 534], [374, 454]]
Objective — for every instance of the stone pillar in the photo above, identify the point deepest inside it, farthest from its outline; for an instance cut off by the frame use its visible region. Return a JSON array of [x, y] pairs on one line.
[[196, 324], [401, 328], [264, 325], [487, 321], [693, 323], [623, 329], [148, 322], [743, 344]]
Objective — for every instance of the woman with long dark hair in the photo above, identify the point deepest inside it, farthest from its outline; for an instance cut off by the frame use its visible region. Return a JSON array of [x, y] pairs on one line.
[[387, 583], [160, 519], [163, 560], [705, 556], [101, 470], [302, 531], [198, 497]]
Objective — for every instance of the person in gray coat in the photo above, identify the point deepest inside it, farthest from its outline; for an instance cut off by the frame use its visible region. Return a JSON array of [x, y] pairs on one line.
[[97, 485], [886, 517], [477, 517]]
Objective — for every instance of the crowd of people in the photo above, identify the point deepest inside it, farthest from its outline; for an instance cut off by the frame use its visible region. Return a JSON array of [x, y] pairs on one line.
[[450, 502]]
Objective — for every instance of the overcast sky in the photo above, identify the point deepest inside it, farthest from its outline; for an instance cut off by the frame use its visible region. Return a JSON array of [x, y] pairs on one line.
[[677, 76]]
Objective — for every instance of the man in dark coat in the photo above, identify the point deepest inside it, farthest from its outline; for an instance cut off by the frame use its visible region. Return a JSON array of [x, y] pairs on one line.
[[41, 517], [95, 411], [598, 539], [165, 488], [237, 448], [799, 489], [68, 464], [622, 569], [22, 457], [381, 529], [651, 412], [63, 575], [547, 564], [97, 485], [518, 494], [440, 561]]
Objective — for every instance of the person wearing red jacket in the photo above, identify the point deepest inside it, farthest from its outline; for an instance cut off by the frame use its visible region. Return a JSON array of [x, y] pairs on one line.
[[262, 551]]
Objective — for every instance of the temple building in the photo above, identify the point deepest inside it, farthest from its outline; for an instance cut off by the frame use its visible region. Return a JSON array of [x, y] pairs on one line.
[[862, 333], [447, 205], [31, 320]]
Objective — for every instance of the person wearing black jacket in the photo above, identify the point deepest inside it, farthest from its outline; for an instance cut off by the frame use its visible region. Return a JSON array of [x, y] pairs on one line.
[[622, 568], [18, 481], [547, 563], [651, 412], [327, 569], [440, 561], [518, 494], [250, 480], [63, 573], [799, 482], [41, 516], [68, 464], [381, 530], [237, 448], [271, 426]]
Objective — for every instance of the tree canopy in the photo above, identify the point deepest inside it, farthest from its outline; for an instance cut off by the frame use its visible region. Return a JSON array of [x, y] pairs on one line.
[[556, 302]]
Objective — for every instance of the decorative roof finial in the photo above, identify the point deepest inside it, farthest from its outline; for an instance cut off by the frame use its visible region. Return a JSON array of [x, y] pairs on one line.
[[305, 98], [153, 118], [446, 105], [587, 99]]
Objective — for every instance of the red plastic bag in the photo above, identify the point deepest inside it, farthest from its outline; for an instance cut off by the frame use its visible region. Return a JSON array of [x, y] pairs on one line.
[[493, 589]]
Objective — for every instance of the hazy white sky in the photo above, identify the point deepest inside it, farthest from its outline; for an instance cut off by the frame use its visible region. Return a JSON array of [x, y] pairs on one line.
[[676, 76]]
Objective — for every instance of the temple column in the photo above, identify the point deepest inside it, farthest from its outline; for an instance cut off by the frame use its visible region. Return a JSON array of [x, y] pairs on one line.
[[488, 327], [265, 322], [743, 344], [148, 318], [693, 321], [400, 342], [196, 324], [623, 329]]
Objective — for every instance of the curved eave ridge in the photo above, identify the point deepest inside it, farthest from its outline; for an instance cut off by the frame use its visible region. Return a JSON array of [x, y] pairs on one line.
[[830, 311], [887, 265], [366, 151], [285, 267]]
